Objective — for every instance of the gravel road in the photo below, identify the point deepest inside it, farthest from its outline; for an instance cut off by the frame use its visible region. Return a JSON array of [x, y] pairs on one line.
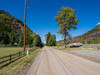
[[92, 53], [56, 62]]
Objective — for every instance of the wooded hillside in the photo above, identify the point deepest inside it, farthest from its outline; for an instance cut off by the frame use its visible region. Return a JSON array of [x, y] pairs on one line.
[[90, 37], [12, 31]]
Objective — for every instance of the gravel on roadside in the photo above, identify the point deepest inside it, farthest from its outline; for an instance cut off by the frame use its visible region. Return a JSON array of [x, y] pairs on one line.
[[92, 55]]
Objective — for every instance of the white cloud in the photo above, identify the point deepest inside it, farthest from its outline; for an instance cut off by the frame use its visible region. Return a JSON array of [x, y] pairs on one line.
[[98, 23]]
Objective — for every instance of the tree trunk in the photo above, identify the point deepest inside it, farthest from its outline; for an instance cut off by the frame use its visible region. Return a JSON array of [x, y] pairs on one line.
[[65, 40]]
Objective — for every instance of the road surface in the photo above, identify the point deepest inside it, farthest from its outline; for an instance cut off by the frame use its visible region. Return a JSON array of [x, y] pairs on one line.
[[56, 62]]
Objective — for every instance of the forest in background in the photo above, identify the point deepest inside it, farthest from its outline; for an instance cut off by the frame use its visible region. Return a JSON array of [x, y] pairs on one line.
[[12, 32]]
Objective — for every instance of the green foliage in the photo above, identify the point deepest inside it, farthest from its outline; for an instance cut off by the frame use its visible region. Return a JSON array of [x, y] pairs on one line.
[[91, 41], [20, 37], [37, 41], [66, 20], [29, 38], [50, 39], [5, 29], [94, 41], [7, 33], [83, 41], [47, 36], [11, 34]]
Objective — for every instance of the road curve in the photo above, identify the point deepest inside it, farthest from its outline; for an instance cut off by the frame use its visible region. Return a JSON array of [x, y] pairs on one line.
[[56, 62]]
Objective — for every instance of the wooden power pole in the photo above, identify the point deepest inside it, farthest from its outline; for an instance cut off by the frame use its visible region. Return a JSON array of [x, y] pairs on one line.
[[25, 25]]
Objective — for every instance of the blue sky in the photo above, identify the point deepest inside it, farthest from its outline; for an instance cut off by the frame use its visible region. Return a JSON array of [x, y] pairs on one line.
[[41, 13]]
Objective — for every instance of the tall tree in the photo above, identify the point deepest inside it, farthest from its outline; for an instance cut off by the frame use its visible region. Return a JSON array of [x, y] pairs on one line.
[[66, 20], [5, 29], [37, 41], [50, 39], [47, 36]]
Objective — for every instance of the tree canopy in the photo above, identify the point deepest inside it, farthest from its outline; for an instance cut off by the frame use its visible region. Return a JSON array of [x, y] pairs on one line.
[[50, 39], [37, 41], [66, 20], [12, 32]]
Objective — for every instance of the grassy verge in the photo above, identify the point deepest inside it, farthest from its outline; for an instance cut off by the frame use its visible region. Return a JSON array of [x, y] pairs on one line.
[[16, 67], [4, 51]]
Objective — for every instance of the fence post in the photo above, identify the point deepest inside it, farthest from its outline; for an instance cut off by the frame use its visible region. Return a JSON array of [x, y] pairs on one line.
[[10, 58], [19, 54]]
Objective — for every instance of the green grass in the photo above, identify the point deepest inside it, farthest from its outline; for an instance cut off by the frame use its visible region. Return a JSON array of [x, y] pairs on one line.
[[4, 51], [16, 67]]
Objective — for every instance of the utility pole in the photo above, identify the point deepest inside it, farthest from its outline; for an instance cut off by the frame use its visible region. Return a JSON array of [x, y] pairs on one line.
[[25, 25]]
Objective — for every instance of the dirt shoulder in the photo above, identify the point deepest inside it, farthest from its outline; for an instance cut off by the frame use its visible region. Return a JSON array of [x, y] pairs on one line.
[[91, 58]]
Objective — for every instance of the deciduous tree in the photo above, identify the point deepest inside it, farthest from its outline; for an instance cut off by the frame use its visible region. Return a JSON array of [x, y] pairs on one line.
[[66, 20], [50, 39]]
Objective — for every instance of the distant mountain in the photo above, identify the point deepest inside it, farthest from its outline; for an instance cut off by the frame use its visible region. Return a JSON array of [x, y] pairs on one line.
[[92, 34], [90, 37]]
